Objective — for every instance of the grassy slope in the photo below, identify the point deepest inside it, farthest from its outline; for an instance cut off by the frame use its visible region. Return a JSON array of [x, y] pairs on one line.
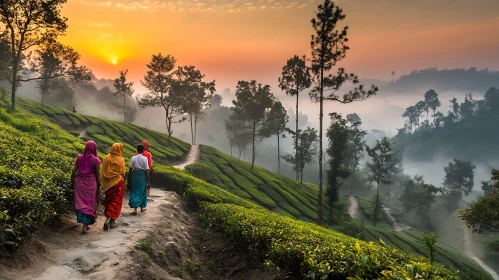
[[106, 132], [273, 191]]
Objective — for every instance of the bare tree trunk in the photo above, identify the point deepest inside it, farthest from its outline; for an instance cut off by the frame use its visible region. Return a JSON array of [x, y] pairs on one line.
[[319, 199], [43, 97], [124, 107], [195, 128], [192, 131], [278, 155], [14, 86], [254, 155], [296, 132], [169, 126], [301, 176]]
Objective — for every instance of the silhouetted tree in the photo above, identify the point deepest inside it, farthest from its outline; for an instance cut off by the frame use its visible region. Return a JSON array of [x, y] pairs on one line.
[[338, 135], [455, 108], [275, 124], [393, 76], [295, 78], [384, 161], [54, 60], [458, 181], [329, 46], [432, 102], [194, 92], [420, 108], [468, 107], [28, 24], [355, 150], [123, 89], [216, 101], [412, 117], [158, 80], [492, 100], [239, 133], [251, 105], [307, 149]]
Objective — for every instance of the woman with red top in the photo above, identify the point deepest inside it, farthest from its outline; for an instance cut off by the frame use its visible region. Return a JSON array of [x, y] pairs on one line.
[[148, 155]]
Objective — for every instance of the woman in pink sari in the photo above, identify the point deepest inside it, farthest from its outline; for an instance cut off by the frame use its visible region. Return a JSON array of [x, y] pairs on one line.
[[86, 182]]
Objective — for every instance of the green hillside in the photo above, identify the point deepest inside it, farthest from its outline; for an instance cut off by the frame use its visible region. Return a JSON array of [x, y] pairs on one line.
[[105, 132], [37, 156], [274, 191]]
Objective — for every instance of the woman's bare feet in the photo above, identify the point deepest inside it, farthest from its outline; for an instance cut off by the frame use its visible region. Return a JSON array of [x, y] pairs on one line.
[[134, 211], [143, 209], [113, 224], [106, 223], [84, 229]]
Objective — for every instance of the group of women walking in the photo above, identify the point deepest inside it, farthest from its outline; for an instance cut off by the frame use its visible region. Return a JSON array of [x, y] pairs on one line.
[[90, 177]]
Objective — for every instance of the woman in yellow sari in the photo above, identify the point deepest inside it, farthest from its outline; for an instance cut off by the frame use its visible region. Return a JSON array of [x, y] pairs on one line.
[[113, 184]]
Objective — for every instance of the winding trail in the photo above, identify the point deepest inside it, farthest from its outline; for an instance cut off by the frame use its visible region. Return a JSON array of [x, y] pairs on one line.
[[192, 157], [468, 249], [397, 226], [65, 253], [62, 252], [353, 210]]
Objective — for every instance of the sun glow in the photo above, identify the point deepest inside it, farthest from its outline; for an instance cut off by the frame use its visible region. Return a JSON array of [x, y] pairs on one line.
[[114, 62]]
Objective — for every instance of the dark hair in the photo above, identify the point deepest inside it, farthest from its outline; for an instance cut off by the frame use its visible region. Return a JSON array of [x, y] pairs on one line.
[[140, 148]]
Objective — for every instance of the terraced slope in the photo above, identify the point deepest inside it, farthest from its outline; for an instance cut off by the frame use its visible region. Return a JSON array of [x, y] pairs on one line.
[[106, 132], [276, 192]]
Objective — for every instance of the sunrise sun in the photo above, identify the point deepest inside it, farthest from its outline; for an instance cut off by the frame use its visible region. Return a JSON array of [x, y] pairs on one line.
[[114, 61]]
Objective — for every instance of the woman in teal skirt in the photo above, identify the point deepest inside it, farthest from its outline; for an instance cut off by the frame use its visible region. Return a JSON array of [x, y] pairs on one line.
[[138, 181]]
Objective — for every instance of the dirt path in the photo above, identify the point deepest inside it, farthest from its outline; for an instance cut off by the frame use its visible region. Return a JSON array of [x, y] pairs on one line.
[[353, 210], [68, 254], [468, 249], [192, 157], [396, 226]]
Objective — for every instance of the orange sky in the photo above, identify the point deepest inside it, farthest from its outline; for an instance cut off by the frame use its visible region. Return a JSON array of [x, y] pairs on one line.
[[230, 40]]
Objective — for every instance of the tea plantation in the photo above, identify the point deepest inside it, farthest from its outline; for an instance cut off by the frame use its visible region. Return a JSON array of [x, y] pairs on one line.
[[36, 157]]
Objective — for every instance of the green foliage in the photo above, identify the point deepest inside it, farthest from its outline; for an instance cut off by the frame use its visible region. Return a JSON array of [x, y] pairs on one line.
[[430, 242], [250, 106], [305, 151], [458, 181], [482, 215]]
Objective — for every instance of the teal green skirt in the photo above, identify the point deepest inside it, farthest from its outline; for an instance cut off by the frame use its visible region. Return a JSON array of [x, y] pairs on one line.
[[138, 193], [84, 218]]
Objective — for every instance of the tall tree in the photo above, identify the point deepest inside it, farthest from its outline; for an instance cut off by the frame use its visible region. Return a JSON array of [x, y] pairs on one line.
[[54, 60], [355, 150], [329, 46], [275, 124], [195, 92], [307, 149], [468, 107], [455, 108], [383, 161], [338, 135], [252, 103], [123, 89], [29, 23], [432, 102], [239, 133], [411, 115], [295, 78], [420, 108], [458, 181], [158, 80]]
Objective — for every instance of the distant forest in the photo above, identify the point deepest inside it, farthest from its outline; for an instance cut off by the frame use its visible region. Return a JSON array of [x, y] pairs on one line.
[[446, 80], [469, 128]]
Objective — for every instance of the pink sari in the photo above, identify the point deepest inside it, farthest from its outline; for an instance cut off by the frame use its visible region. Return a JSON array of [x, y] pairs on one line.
[[86, 191]]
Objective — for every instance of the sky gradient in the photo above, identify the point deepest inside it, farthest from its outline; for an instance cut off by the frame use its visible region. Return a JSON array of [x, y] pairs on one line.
[[231, 40]]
